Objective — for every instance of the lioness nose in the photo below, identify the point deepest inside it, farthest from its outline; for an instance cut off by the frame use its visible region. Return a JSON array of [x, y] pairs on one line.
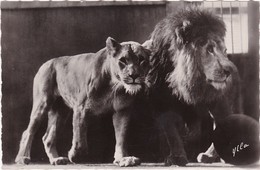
[[133, 76]]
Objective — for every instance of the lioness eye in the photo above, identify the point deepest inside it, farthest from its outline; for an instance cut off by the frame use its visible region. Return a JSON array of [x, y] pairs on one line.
[[210, 49], [122, 60], [122, 63], [143, 63], [141, 59], [225, 50]]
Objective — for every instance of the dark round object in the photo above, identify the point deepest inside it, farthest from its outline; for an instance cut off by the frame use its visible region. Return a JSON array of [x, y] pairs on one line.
[[236, 140]]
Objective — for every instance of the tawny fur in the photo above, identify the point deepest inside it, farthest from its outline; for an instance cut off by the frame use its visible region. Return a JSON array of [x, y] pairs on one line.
[[189, 58], [90, 84]]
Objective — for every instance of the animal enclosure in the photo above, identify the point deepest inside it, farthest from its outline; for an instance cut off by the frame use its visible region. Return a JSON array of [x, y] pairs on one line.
[[34, 32]]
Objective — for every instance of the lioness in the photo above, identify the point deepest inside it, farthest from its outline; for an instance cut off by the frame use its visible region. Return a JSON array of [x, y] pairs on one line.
[[92, 83]]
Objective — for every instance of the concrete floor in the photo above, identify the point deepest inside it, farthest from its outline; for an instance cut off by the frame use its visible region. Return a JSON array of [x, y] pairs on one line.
[[190, 166]]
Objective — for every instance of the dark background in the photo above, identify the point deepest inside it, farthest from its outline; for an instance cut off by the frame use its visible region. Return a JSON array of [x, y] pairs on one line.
[[33, 34]]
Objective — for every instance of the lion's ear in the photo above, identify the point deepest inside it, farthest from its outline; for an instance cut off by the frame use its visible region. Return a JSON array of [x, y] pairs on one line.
[[112, 46], [181, 33]]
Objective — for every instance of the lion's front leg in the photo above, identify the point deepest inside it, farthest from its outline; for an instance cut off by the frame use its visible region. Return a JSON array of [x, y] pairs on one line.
[[168, 123], [209, 156], [219, 110], [120, 122], [177, 154], [79, 139]]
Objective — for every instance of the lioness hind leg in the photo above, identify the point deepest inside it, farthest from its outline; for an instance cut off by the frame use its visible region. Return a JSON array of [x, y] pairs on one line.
[[79, 139], [50, 137], [120, 122], [40, 107]]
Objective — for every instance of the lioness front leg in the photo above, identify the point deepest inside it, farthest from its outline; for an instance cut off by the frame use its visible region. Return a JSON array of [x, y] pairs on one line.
[[49, 139], [120, 122], [79, 139]]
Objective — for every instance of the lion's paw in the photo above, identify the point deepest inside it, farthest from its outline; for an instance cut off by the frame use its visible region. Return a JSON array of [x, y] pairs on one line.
[[176, 160], [205, 158], [128, 161], [60, 161], [23, 160]]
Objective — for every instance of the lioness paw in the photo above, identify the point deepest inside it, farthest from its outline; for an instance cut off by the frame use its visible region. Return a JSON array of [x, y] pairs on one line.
[[60, 161], [72, 155], [128, 161], [77, 155], [23, 160], [205, 158], [176, 160]]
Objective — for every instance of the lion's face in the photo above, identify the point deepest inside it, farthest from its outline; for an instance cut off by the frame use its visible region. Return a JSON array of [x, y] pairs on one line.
[[130, 62], [202, 71], [216, 67]]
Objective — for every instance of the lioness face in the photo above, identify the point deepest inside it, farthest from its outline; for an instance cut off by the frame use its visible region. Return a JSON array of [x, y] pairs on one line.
[[216, 66], [131, 65]]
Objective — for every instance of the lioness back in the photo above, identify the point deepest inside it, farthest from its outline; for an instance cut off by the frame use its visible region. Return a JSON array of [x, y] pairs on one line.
[[87, 78], [73, 75], [79, 74]]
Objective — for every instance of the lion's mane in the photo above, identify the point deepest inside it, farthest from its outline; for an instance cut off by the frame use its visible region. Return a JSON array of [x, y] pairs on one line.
[[176, 43]]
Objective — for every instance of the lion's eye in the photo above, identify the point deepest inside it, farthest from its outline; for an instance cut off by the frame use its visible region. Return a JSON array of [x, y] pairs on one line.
[[225, 51], [210, 49]]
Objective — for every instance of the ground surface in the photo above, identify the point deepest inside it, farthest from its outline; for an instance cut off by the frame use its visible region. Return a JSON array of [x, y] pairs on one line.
[[190, 166]]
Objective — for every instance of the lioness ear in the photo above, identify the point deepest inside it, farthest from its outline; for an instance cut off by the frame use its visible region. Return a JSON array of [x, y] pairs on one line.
[[181, 33], [112, 46], [148, 44]]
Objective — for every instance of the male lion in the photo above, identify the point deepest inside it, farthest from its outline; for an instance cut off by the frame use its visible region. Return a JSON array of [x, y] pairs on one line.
[[92, 83], [193, 76]]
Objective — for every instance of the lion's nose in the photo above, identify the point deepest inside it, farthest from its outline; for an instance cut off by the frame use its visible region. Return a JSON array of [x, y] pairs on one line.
[[226, 72]]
